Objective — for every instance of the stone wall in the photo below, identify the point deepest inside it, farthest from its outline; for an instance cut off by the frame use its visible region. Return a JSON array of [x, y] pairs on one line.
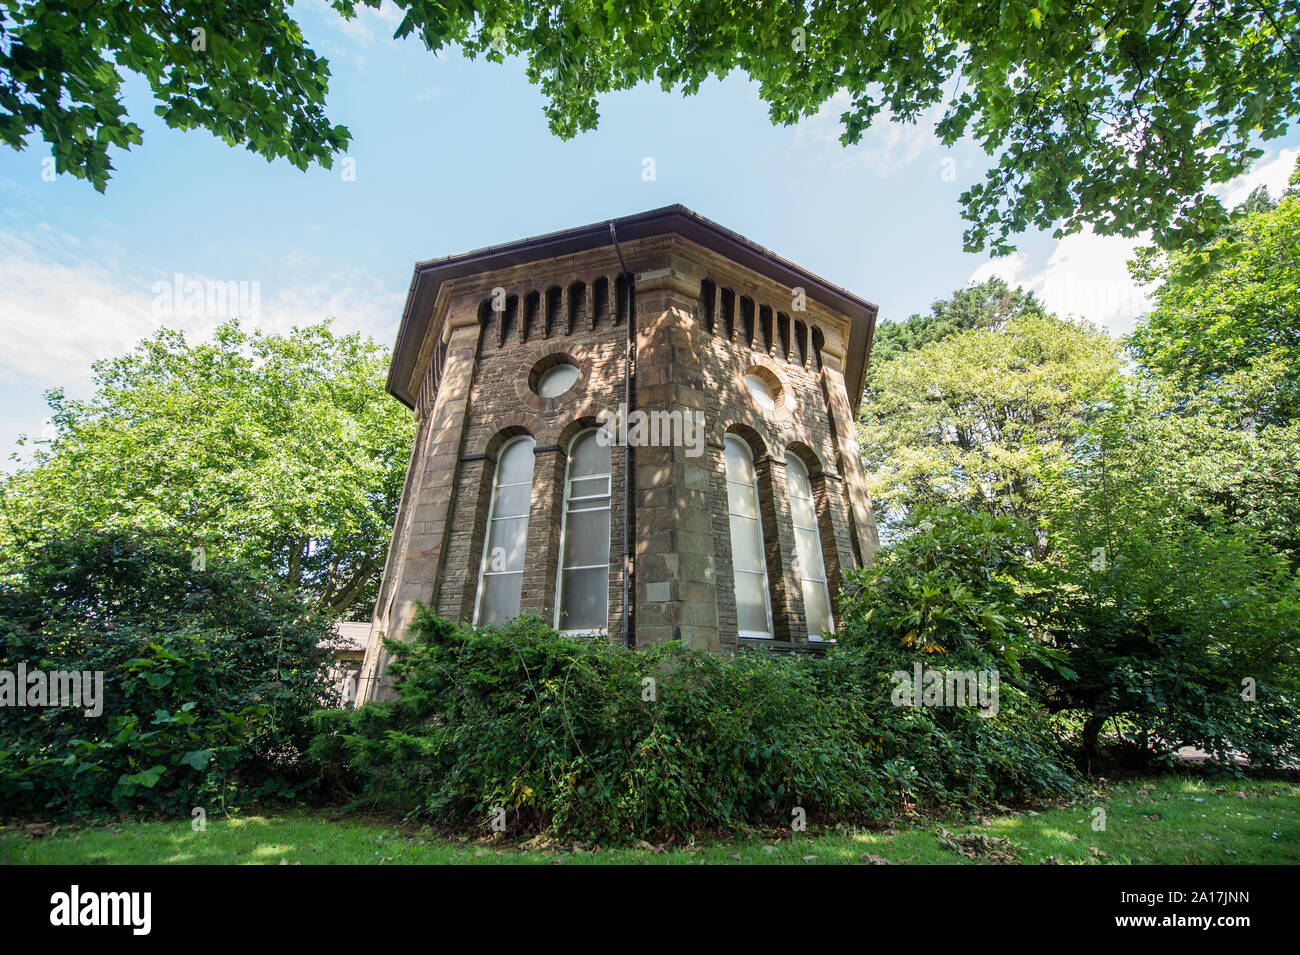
[[701, 323]]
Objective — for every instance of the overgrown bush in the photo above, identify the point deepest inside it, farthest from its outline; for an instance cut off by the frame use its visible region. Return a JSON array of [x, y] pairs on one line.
[[1182, 636], [1179, 615], [586, 740], [208, 674]]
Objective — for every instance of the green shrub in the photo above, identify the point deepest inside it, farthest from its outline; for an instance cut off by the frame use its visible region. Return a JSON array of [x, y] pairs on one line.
[[208, 674], [1189, 636], [568, 735], [1179, 612], [949, 587]]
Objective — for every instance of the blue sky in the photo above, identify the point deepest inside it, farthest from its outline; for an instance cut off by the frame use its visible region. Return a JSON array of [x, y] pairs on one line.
[[452, 155]]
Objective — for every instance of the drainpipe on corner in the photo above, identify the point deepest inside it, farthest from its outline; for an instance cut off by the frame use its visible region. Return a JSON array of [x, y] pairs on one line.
[[628, 363]]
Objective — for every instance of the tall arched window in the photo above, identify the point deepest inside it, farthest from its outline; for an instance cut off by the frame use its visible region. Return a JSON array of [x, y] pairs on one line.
[[583, 602], [502, 577], [753, 614], [808, 550]]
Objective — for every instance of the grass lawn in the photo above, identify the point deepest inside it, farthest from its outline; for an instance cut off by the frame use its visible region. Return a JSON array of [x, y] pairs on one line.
[[1169, 819]]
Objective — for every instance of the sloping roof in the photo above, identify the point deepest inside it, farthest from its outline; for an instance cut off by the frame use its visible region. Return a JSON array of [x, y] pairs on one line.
[[355, 634], [675, 219]]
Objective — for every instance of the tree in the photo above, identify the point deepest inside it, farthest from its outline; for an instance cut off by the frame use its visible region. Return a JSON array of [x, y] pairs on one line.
[[243, 72], [1229, 309], [1222, 345], [1117, 113], [203, 674], [988, 305], [968, 421], [279, 453], [1180, 622], [948, 587]]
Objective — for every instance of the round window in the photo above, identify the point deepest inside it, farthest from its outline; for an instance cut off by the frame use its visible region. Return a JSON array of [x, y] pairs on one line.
[[761, 392], [557, 380]]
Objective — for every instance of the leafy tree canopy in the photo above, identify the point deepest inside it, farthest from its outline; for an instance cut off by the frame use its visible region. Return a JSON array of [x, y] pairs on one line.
[[281, 453], [1227, 317], [1162, 584], [990, 304], [968, 420], [243, 72], [208, 676], [1117, 113]]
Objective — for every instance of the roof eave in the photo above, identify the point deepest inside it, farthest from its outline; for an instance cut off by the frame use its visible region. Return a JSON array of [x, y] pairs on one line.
[[428, 276]]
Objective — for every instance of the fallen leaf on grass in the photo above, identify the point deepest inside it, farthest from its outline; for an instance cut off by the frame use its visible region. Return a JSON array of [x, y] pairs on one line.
[[978, 845]]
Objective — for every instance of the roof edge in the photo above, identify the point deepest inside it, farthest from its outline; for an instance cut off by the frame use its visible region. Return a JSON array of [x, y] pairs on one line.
[[429, 275]]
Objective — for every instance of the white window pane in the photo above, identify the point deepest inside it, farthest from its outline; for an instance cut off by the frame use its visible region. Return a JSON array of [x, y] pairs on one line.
[[751, 603], [741, 500], [746, 544], [500, 600], [796, 477], [589, 504], [507, 534], [584, 604], [802, 512], [512, 500], [762, 394], [814, 608], [556, 381], [584, 594], [516, 464], [808, 551], [739, 466], [587, 486], [746, 540], [506, 543], [588, 457], [586, 538]]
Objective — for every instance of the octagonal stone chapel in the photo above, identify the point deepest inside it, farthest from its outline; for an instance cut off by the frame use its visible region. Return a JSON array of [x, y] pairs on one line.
[[642, 428]]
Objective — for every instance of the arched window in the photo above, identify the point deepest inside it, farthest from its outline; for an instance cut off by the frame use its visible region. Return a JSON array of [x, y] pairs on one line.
[[502, 577], [753, 614], [808, 550], [583, 602]]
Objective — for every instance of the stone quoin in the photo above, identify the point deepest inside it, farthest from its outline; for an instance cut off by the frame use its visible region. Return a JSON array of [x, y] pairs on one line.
[[522, 497]]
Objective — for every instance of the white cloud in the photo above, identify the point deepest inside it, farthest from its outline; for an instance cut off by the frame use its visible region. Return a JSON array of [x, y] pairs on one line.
[[363, 27], [1272, 173], [1009, 268], [1086, 275], [428, 94], [65, 304], [58, 317], [885, 147]]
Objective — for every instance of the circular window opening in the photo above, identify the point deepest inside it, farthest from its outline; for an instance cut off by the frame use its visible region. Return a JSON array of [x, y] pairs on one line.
[[760, 391], [556, 380]]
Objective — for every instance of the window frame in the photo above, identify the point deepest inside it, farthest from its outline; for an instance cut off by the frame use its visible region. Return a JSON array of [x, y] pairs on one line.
[[483, 572], [551, 372], [567, 497], [793, 459], [762, 540]]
